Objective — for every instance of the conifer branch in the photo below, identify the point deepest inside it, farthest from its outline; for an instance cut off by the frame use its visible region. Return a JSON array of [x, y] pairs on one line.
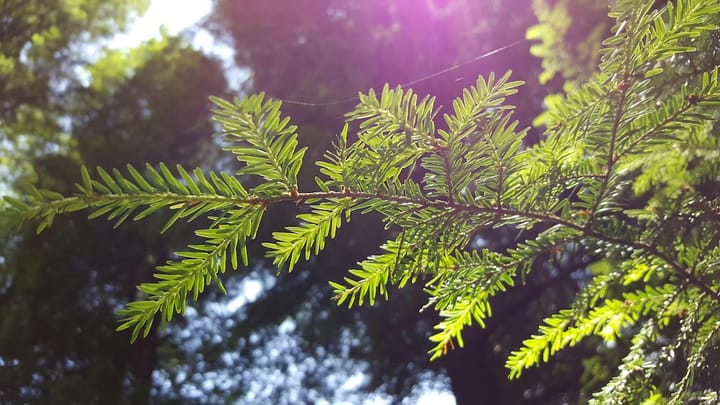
[[570, 190]]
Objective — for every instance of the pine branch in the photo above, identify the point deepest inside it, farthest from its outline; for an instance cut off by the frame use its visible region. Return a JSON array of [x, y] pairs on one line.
[[197, 268], [267, 145], [316, 227], [635, 370], [705, 338], [565, 329], [370, 279], [118, 198]]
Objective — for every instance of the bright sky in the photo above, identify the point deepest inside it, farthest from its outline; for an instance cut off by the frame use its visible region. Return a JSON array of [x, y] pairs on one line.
[[176, 15]]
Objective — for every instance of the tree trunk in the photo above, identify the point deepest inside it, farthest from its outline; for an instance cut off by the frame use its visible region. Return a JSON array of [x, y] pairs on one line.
[[143, 360], [474, 370]]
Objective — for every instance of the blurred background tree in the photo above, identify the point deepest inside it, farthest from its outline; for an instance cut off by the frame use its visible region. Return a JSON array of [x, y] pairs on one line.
[[42, 47], [67, 101]]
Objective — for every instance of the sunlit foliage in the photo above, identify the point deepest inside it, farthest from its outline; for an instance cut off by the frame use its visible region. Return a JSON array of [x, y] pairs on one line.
[[595, 180]]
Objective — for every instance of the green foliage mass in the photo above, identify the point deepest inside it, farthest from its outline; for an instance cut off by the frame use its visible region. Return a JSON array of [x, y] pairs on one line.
[[597, 180], [68, 100], [41, 49], [563, 49]]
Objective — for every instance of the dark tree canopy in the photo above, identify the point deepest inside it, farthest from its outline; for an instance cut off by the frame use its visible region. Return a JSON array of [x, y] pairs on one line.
[[73, 278]]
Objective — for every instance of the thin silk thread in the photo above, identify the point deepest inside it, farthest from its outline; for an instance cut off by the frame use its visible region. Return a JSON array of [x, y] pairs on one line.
[[410, 83]]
